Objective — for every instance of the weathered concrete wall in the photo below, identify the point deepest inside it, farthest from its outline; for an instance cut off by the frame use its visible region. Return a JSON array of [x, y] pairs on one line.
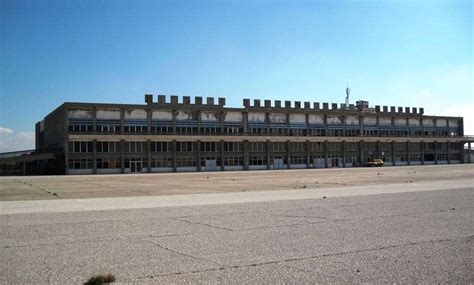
[[414, 122], [352, 120], [297, 118], [233, 117], [276, 118], [316, 119], [385, 121], [185, 115], [210, 116], [441, 122], [80, 114], [334, 120], [370, 121], [256, 117], [108, 114], [136, 114], [428, 122], [400, 122], [162, 115]]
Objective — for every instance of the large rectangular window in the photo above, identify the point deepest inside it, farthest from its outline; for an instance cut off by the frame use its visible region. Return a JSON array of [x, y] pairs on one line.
[[103, 163], [80, 163], [108, 147], [80, 147], [160, 146]]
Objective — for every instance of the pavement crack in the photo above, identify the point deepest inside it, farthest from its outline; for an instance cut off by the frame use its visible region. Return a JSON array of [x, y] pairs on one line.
[[203, 224]]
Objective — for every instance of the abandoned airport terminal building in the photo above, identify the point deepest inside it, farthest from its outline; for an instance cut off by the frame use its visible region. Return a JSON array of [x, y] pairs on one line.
[[173, 135]]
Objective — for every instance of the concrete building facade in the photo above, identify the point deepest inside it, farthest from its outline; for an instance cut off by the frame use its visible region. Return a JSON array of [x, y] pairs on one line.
[[179, 135]]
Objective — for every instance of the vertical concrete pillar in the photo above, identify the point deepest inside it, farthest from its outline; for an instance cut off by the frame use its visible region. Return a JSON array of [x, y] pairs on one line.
[[422, 149], [24, 167], [325, 121], [198, 154], [122, 121], [307, 123], [94, 120], [66, 141], [149, 113], [408, 152], [245, 119], [221, 121], [436, 152], [173, 112], [222, 156], [267, 121], [448, 151], [148, 155], [245, 146], [468, 152], [377, 149], [288, 128], [343, 146], [288, 155], [198, 123], [392, 147], [267, 149], [326, 154], [361, 153], [173, 146], [344, 126], [94, 156], [361, 126], [122, 156], [307, 145]]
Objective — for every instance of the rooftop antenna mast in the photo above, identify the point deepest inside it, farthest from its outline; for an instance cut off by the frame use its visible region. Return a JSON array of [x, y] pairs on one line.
[[348, 92]]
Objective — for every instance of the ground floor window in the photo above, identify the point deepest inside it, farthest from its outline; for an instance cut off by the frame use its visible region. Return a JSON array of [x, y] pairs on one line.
[[186, 161], [80, 163], [103, 163], [258, 160], [233, 161], [298, 159], [161, 162]]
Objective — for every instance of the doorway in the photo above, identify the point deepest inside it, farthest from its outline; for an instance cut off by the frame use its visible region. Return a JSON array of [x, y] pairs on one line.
[[136, 165]]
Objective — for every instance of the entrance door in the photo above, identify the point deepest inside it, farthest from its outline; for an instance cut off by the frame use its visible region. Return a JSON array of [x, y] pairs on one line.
[[211, 165], [136, 166]]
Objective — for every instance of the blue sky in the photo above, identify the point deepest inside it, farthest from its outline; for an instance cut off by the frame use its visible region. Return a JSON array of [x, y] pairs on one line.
[[402, 53]]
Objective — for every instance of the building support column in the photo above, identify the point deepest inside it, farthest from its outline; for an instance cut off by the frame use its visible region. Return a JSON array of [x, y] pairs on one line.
[[245, 146], [148, 155], [326, 154], [288, 157], [199, 156], [436, 152], [222, 156], [422, 148], [408, 152], [307, 144], [468, 152], [122, 156], [392, 148], [448, 152], [175, 160], [267, 149], [361, 153], [343, 145], [24, 167], [94, 156], [377, 150]]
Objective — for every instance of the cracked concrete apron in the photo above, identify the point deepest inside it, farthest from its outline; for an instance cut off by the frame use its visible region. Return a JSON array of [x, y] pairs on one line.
[[405, 233]]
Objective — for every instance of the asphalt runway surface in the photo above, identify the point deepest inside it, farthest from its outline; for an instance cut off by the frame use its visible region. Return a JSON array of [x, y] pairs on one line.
[[405, 233]]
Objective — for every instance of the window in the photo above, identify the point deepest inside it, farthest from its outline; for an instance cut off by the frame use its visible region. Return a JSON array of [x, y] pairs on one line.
[[233, 161], [107, 147], [134, 147], [209, 146], [185, 146], [161, 162], [80, 163], [297, 146], [298, 159], [232, 146], [80, 147], [103, 163], [258, 160], [278, 146], [257, 147], [186, 161], [160, 146]]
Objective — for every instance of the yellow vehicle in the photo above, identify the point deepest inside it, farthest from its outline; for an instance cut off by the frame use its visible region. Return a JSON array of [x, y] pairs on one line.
[[375, 162]]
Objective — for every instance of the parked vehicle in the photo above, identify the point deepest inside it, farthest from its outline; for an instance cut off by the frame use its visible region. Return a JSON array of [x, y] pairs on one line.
[[375, 162]]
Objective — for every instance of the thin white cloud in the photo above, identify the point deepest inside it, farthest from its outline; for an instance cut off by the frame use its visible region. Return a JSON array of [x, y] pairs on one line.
[[13, 141]]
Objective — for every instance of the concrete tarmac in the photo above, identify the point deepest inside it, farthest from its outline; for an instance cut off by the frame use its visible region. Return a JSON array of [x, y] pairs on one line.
[[420, 232]]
